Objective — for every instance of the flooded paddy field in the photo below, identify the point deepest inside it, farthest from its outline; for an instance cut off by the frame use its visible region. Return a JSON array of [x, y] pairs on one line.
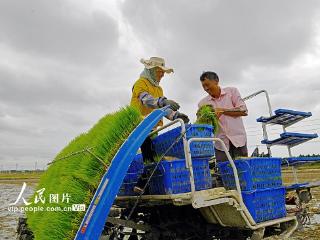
[[311, 231], [9, 192], [10, 189]]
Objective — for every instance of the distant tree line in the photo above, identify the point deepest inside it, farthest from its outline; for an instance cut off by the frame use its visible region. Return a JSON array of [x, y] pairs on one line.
[[309, 155], [22, 171], [257, 153]]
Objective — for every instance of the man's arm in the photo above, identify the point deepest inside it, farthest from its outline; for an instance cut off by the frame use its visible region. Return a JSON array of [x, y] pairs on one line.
[[234, 112], [240, 108], [149, 101]]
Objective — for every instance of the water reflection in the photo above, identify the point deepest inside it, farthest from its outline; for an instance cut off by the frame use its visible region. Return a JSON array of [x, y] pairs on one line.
[[8, 220]]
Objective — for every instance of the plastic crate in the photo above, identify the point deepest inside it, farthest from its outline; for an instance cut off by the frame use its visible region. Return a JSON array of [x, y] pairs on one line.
[[172, 177], [265, 204], [136, 165], [132, 176], [129, 182], [198, 149], [254, 173]]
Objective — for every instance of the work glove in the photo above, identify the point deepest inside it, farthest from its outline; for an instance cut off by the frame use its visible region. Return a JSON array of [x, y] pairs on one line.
[[173, 105], [183, 116]]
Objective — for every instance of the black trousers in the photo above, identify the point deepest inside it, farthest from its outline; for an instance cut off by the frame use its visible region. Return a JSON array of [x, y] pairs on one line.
[[234, 152], [148, 155], [147, 150]]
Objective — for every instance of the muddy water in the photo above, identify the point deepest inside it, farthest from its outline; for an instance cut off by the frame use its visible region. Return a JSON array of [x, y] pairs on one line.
[[312, 231], [9, 192]]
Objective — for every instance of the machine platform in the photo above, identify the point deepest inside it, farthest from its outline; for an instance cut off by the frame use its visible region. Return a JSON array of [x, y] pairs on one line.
[[285, 117], [290, 139]]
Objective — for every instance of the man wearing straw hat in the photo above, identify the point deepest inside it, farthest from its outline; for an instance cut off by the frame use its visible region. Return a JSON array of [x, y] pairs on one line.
[[148, 95]]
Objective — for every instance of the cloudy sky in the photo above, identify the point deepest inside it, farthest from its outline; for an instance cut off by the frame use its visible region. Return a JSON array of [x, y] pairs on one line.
[[66, 63]]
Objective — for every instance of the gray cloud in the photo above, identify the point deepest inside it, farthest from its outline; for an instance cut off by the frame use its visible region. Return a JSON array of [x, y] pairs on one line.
[[52, 54], [251, 45], [227, 36], [57, 30]]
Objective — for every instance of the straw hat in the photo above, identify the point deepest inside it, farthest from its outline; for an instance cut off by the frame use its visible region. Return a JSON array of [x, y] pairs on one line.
[[156, 62]]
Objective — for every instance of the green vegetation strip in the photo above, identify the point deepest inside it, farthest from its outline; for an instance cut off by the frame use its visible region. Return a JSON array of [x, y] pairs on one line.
[[78, 176], [20, 175]]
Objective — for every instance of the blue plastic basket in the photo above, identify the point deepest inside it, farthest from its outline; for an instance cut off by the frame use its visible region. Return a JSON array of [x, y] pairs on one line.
[[254, 173], [198, 149], [136, 165], [172, 177], [265, 204], [129, 182], [132, 176]]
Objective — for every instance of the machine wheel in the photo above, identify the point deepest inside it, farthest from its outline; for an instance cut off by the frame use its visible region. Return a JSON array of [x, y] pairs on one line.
[[177, 223], [168, 222], [133, 237], [116, 236], [258, 234], [232, 234]]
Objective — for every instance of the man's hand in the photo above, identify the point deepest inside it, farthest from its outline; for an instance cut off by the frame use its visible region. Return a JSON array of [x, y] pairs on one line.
[[183, 116], [173, 105], [219, 112]]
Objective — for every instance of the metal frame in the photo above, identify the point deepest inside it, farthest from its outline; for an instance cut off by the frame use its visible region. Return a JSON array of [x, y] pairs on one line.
[[237, 201], [250, 223], [186, 148], [183, 132], [243, 209], [264, 126], [257, 93], [265, 134], [235, 171], [186, 145], [187, 151]]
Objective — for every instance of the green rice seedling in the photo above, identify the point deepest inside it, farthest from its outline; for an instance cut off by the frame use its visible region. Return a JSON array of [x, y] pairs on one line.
[[75, 177], [206, 115], [157, 158]]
